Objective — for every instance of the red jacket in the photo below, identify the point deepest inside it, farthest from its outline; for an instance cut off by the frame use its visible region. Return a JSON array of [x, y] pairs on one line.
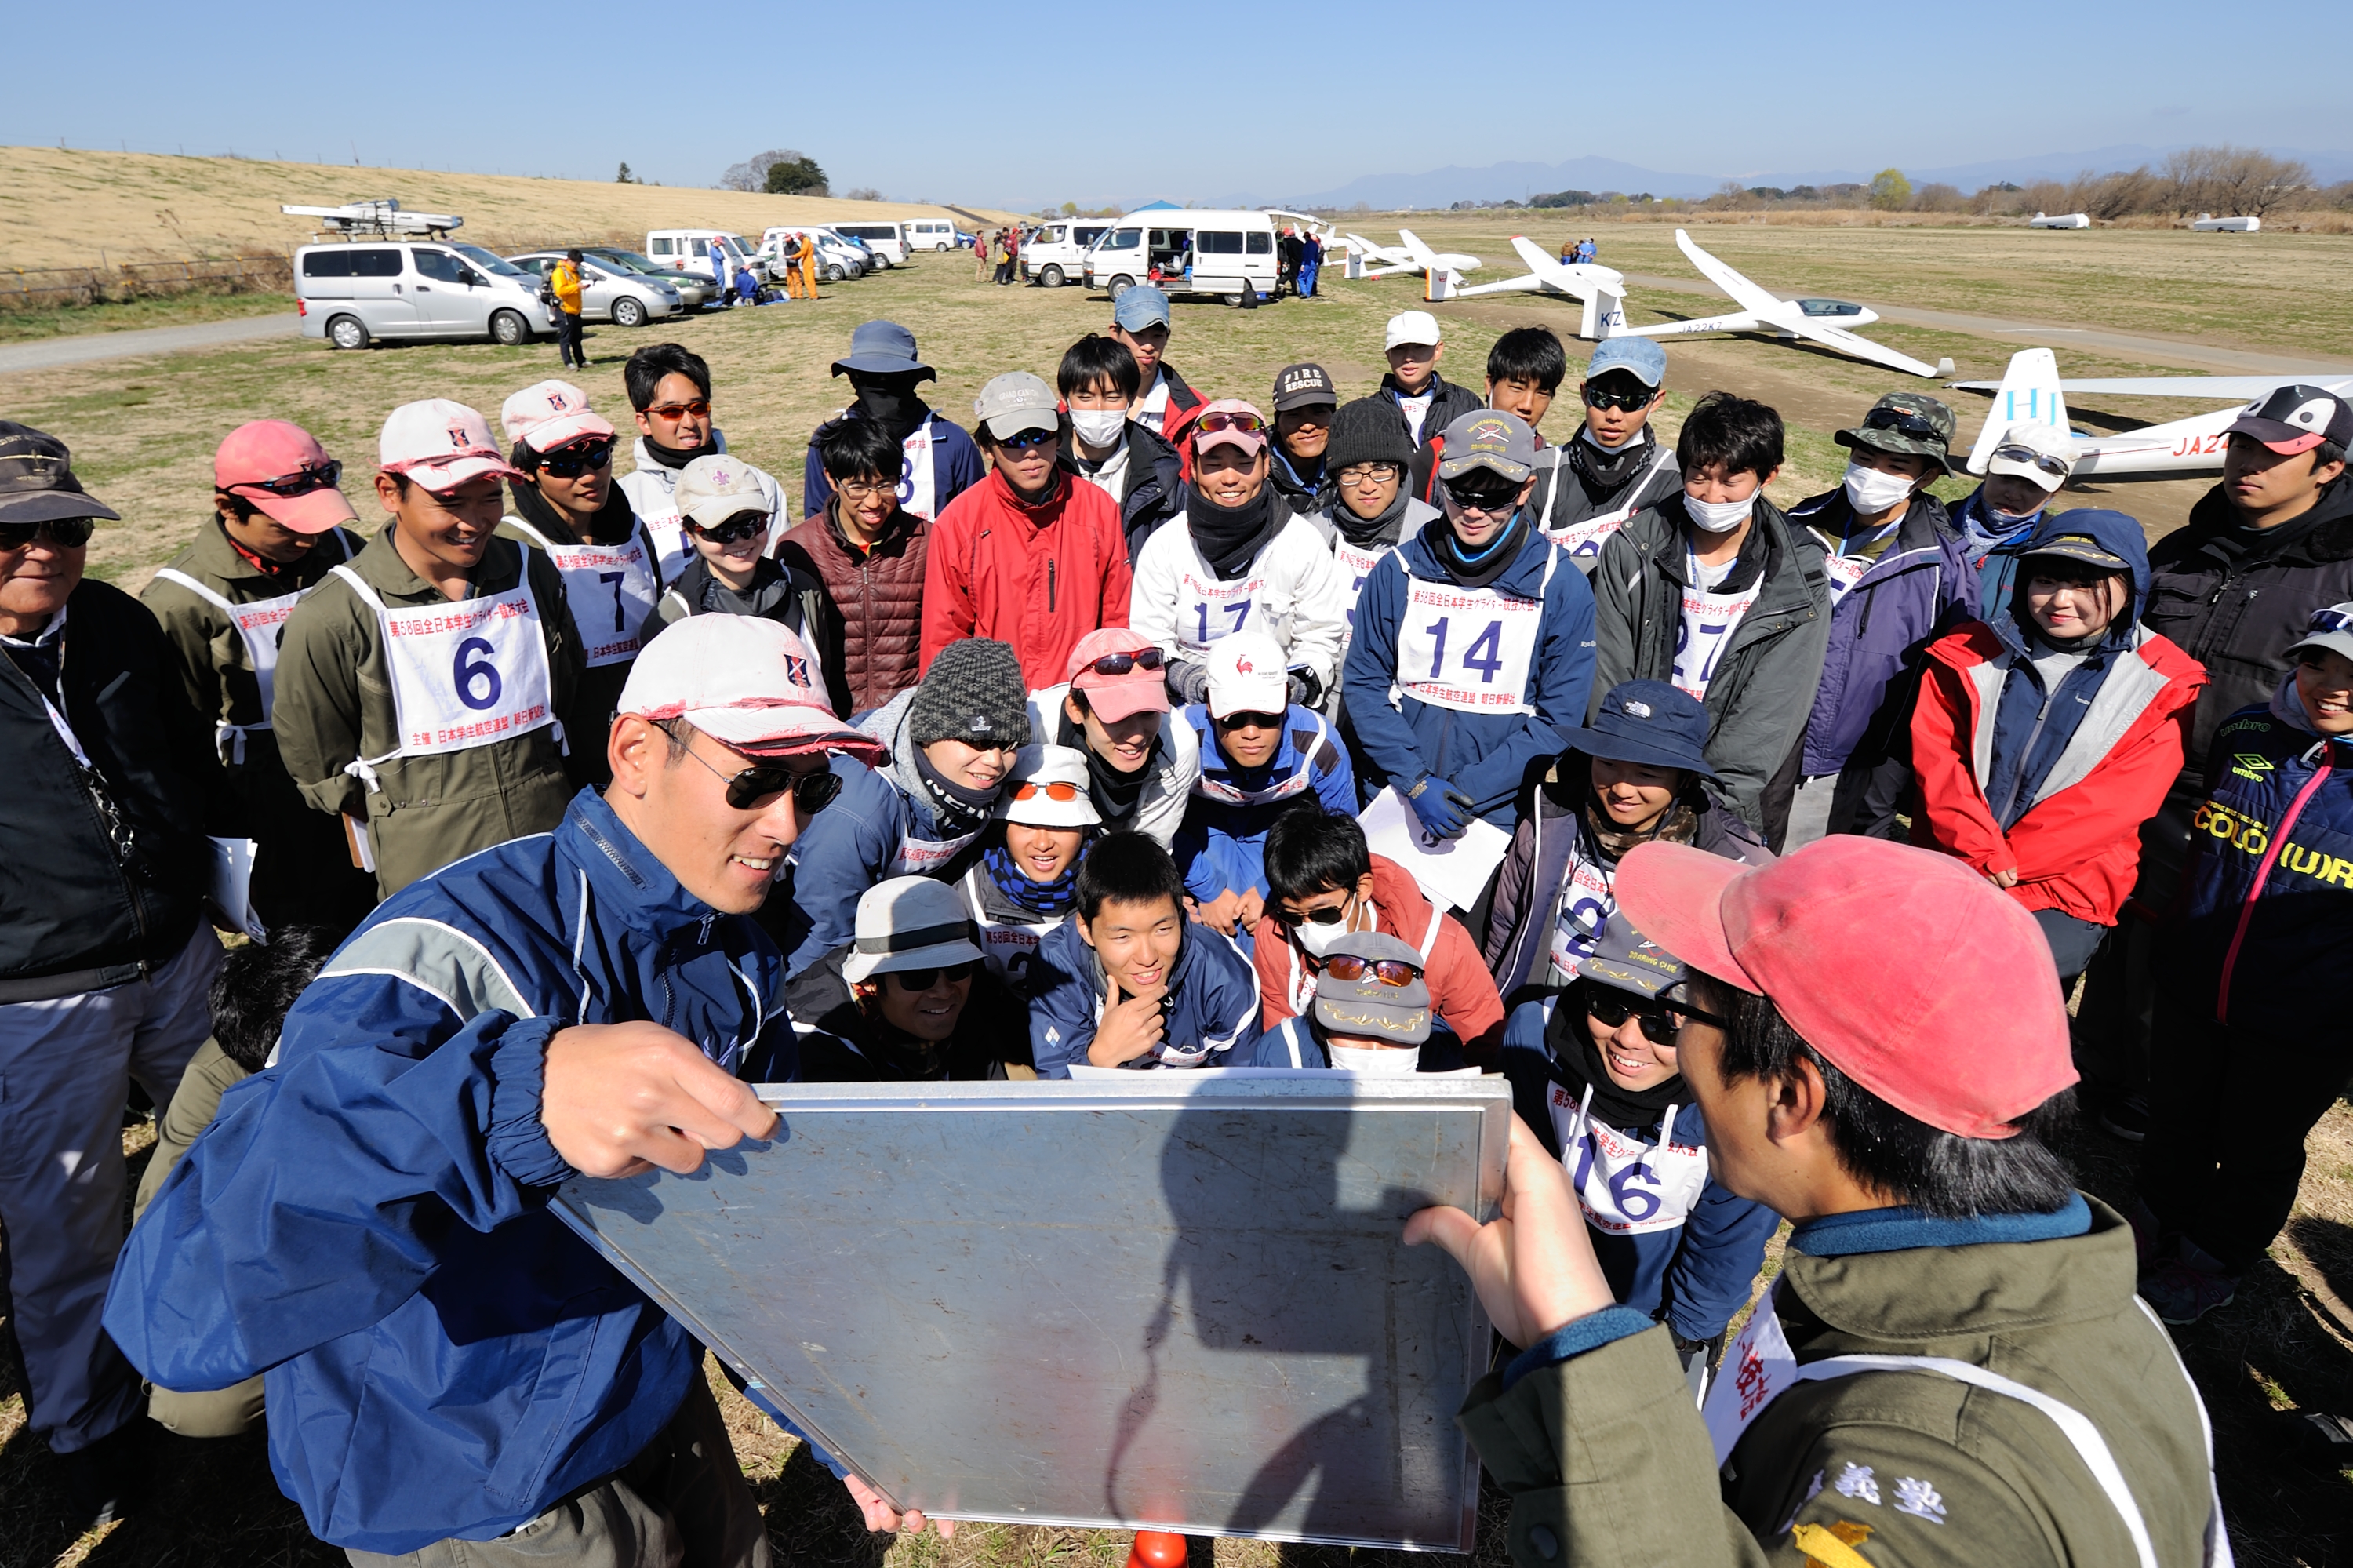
[[1461, 992], [2078, 850], [1038, 577]]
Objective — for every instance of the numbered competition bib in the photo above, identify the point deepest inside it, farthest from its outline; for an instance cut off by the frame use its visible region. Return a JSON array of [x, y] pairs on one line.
[[1208, 609], [1625, 1186], [1583, 541], [917, 490], [1355, 565], [256, 623], [1706, 629], [463, 673], [1470, 649], [611, 589], [1009, 948], [1211, 788], [922, 857], [1586, 905]]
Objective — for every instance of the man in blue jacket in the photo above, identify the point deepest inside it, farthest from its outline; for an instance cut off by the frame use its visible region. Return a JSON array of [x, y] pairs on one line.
[[938, 458], [1473, 643], [366, 1221]]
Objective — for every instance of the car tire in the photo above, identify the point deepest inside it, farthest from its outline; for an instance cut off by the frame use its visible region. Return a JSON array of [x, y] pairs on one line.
[[1234, 300], [1051, 276], [628, 311], [1121, 285], [508, 328], [834, 274], [347, 332]]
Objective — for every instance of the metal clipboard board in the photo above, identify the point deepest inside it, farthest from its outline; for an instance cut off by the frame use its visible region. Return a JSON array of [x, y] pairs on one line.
[[1179, 1303]]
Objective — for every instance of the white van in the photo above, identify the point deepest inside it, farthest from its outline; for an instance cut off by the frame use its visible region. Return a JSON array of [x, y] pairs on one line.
[[930, 234], [1055, 253], [1187, 251], [837, 258], [887, 240], [689, 250], [351, 294]]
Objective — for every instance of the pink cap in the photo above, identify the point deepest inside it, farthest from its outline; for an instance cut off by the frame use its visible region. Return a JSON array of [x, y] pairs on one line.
[[272, 450], [545, 416], [440, 445], [1909, 972], [1115, 697], [1251, 441], [746, 682]]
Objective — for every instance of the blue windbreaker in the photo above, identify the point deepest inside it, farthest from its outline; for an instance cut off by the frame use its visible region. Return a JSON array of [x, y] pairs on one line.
[[1212, 1000], [1485, 754], [1222, 845], [1692, 1276], [366, 1221]]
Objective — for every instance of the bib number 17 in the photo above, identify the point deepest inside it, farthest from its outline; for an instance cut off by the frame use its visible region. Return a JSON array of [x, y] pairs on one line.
[[1486, 653], [473, 668], [1240, 609]]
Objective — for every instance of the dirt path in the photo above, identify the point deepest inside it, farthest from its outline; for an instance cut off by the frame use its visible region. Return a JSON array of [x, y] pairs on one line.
[[48, 354]]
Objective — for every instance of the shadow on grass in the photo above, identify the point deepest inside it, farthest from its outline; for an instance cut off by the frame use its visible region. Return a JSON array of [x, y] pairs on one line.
[[214, 1502]]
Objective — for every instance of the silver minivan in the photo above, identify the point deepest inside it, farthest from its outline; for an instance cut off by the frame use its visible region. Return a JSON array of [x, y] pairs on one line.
[[351, 294]]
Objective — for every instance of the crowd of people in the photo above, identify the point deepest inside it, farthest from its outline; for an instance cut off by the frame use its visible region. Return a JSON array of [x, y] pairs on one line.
[[561, 806]]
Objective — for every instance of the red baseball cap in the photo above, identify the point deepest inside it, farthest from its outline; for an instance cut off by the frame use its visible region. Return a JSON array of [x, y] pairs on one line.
[[268, 452], [1115, 697], [1909, 972]]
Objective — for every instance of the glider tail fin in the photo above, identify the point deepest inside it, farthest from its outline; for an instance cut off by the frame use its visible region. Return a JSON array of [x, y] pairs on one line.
[[1439, 283], [1605, 316], [2028, 394]]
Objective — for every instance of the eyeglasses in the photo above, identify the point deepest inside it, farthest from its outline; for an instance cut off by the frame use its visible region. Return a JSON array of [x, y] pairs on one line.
[[1903, 420], [1370, 473], [924, 980], [65, 533], [1251, 721], [763, 781], [854, 491], [1051, 791], [571, 461], [698, 409], [1483, 499], [1121, 663], [2054, 466], [1026, 439], [1226, 420], [743, 525], [1348, 969], [1611, 398], [1292, 920], [302, 481], [1660, 1022]]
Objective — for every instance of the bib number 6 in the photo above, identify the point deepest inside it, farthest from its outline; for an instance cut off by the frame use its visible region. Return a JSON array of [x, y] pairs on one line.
[[471, 668]]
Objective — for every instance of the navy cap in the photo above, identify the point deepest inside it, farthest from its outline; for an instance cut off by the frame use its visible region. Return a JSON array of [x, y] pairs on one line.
[[1371, 1009], [1640, 357], [882, 348], [1138, 307], [1625, 959], [1649, 722]]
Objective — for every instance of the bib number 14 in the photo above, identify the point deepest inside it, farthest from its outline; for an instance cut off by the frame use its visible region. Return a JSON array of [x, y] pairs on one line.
[[1484, 653]]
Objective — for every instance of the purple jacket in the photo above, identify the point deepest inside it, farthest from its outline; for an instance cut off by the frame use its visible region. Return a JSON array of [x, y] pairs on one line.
[[1918, 590]]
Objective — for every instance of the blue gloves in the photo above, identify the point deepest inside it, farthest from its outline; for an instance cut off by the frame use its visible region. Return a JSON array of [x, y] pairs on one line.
[[1444, 810]]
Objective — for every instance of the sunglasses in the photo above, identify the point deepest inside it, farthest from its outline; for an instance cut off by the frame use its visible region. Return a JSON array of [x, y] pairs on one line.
[[1292, 920], [1660, 1022], [65, 533], [700, 409], [1251, 721], [1348, 969], [764, 781], [1223, 419], [1051, 791], [1028, 438], [1611, 398], [571, 461], [1121, 663], [1370, 473], [2054, 466], [1902, 420], [743, 525], [924, 980], [302, 481], [1484, 499]]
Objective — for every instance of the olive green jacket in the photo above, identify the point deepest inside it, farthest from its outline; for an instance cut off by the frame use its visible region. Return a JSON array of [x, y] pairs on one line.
[[334, 706], [1607, 1461]]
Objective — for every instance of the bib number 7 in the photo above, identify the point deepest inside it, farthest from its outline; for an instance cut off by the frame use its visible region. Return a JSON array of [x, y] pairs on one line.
[[1486, 653], [472, 667], [615, 579]]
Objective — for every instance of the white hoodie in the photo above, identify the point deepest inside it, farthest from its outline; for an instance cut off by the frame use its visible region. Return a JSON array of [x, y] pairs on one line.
[[650, 487], [1293, 591]]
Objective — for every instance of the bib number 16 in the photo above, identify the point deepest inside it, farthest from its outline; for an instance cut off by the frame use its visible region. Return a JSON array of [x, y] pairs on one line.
[[1485, 654], [473, 669]]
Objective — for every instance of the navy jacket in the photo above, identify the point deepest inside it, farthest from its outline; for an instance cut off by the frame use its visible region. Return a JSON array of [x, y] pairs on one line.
[[956, 466], [1221, 847], [1998, 568], [1693, 1276], [1920, 587], [366, 1221], [1486, 756], [1212, 1000]]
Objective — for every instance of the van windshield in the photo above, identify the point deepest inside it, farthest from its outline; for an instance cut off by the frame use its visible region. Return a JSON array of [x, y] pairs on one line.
[[488, 262], [1125, 240]]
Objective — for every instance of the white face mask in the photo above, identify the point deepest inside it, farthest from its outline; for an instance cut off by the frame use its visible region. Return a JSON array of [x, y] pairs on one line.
[[1400, 1062], [1718, 516], [1098, 427], [1868, 490], [1321, 939]]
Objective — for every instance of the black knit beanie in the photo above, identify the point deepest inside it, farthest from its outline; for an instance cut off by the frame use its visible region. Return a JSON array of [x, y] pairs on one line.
[[973, 693], [1366, 430]]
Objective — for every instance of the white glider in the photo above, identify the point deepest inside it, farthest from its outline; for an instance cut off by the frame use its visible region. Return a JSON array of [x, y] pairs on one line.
[[1366, 259], [1815, 320], [2032, 393], [378, 218], [2064, 220], [1602, 289], [2209, 224]]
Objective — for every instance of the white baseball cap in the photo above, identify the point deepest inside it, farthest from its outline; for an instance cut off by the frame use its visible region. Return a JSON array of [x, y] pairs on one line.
[[440, 445], [909, 923], [545, 416], [1411, 326], [745, 682], [1247, 676], [2047, 448], [1037, 767], [712, 489]]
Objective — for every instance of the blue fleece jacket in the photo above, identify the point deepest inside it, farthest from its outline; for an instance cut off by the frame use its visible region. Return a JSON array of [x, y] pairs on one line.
[[1212, 1000], [1221, 847], [955, 467], [366, 1221], [1486, 756]]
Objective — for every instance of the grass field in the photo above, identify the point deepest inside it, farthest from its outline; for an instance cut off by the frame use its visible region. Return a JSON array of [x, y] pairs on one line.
[[144, 430]]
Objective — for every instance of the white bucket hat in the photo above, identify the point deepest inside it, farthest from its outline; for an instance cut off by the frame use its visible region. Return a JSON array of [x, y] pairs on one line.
[[910, 923]]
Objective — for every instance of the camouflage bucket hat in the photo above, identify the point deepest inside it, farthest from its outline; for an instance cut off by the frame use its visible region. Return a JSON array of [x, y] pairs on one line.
[[1905, 422]]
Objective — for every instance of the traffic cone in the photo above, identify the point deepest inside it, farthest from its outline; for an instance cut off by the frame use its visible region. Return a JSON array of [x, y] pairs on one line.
[[1156, 1549]]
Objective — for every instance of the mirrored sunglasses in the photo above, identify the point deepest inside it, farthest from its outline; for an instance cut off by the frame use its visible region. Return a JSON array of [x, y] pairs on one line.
[[1121, 663], [1902, 420], [1226, 420], [573, 461], [2054, 466], [1627, 400], [700, 408], [301, 481], [1348, 969], [1056, 791]]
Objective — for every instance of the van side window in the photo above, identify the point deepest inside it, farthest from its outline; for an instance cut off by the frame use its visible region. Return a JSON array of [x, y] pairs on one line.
[[1125, 240], [438, 265], [661, 247], [352, 261], [1261, 244], [1216, 242]]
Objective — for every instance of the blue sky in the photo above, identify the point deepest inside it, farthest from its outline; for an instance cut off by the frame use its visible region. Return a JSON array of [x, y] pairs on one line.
[[1017, 104]]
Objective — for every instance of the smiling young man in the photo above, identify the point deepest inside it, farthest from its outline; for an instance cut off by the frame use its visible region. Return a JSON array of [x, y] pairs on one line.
[[586, 1001], [418, 690], [670, 388], [1304, 402], [868, 551], [1026, 881], [1128, 982], [1113, 709]]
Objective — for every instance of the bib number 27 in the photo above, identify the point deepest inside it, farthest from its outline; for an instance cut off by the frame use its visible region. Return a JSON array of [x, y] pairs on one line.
[[474, 676], [1485, 654]]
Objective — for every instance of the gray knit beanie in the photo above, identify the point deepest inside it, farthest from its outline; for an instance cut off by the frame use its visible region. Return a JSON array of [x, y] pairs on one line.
[[973, 693], [1366, 430]]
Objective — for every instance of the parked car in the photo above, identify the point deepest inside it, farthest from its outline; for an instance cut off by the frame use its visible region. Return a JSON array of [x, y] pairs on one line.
[[609, 293], [352, 294], [689, 250], [887, 240], [933, 234], [1055, 253], [1219, 253], [837, 258], [966, 241], [694, 289]]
